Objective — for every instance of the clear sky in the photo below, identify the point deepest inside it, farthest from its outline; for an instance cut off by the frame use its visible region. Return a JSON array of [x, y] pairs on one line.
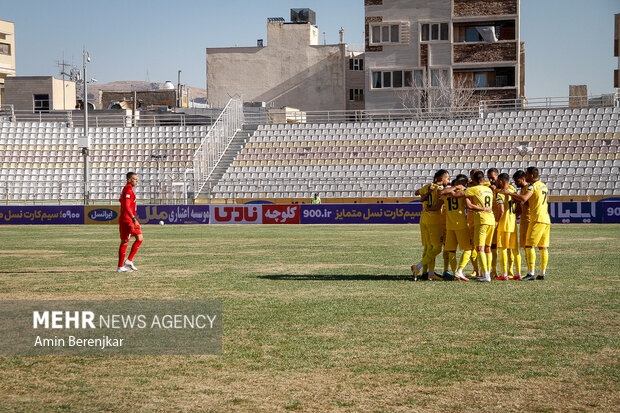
[[567, 41]]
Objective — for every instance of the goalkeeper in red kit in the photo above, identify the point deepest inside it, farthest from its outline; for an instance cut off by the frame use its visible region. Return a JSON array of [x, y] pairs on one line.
[[128, 225]]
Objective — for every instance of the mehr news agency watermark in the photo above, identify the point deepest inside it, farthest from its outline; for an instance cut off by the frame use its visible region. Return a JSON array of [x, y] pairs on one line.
[[110, 327]]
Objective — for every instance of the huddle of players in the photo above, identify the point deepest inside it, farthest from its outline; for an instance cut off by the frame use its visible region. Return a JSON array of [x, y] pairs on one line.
[[480, 218]]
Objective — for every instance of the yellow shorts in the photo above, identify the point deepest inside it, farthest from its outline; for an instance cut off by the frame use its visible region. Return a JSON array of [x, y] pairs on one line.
[[494, 239], [432, 234], [522, 233], [483, 235], [507, 240], [435, 234], [457, 238], [537, 235]]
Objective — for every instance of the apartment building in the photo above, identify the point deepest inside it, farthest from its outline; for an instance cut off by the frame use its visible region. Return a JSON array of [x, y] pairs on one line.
[[617, 49], [7, 54], [293, 69], [416, 47]]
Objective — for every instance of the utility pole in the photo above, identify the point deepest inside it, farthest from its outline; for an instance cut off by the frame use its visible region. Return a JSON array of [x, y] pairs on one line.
[[86, 144], [62, 64], [179, 97]]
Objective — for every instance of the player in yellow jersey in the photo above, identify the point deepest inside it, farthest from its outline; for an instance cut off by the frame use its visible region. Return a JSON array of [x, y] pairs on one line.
[[432, 226], [457, 232], [537, 196], [506, 225], [484, 222], [492, 174], [523, 212], [423, 193], [470, 225]]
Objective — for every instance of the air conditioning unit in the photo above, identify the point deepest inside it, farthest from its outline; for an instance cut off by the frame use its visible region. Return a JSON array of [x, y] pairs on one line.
[[303, 16]]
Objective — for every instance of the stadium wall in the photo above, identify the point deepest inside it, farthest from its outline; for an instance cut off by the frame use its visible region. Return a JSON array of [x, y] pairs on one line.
[[606, 211]]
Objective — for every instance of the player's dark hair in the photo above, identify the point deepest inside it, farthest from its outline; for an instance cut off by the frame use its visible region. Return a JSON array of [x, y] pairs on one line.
[[461, 179], [130, 174], [440, 173], [504, 177], [532, 170], [478, 177], [518, 175], [492, 170], [473, 171]]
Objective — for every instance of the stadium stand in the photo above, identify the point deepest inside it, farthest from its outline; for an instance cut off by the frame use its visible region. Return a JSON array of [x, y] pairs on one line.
[[576, 148], [41, 160]]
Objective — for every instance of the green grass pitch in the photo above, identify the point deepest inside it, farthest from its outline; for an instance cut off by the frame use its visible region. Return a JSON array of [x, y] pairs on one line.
[[325, 318]]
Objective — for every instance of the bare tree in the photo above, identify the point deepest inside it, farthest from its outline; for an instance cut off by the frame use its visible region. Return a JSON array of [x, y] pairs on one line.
[[438, 95]]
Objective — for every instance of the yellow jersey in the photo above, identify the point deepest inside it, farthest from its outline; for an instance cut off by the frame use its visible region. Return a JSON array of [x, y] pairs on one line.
[[539, 203], [423, 191], [481, 196], [508, 221], [455, 213], [525, 209], [433, 217]]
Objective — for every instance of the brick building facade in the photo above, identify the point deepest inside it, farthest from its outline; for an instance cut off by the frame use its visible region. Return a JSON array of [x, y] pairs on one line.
[[417, 45]]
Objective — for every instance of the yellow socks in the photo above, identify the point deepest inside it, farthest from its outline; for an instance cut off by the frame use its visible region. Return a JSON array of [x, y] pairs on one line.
[[530, 257], [482, 262], [474, 260], [430, 255], [464, 259], [516, 258], [489, 261], [544, 258], [503, 260], [452, 260]]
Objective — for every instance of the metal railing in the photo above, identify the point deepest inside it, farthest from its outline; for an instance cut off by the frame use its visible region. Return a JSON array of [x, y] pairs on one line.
[[213, 146], [572, 102], [75, 118], [163, 189], [278, 116], [7, 112]]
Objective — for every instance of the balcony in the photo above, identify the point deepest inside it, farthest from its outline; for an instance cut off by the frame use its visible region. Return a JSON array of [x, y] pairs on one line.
[[474, 8], [485, 52]]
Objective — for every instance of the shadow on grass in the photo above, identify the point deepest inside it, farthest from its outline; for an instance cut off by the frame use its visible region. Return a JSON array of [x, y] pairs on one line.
[[336, 277]]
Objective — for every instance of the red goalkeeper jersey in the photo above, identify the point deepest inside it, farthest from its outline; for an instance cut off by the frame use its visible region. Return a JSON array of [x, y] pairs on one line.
[[128, 204]]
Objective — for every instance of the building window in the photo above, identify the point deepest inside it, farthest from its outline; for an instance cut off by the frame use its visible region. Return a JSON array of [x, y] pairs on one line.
[[480, 80], [356, 95], [5, 48], [41, 103], [397, 79], [434, 32], [472, 35], [356, 64], [385, 33], [439, 77], [490, 78]]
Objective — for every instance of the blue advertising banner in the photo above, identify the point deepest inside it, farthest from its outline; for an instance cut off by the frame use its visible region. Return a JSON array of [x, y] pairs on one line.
[[610, 211], [575, 212], [601, 212], [41, 215], [173, 214], [361, 213]]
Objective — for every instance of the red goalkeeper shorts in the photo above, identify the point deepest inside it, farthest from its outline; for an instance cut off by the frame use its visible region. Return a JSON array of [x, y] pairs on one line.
[[127, 230]]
